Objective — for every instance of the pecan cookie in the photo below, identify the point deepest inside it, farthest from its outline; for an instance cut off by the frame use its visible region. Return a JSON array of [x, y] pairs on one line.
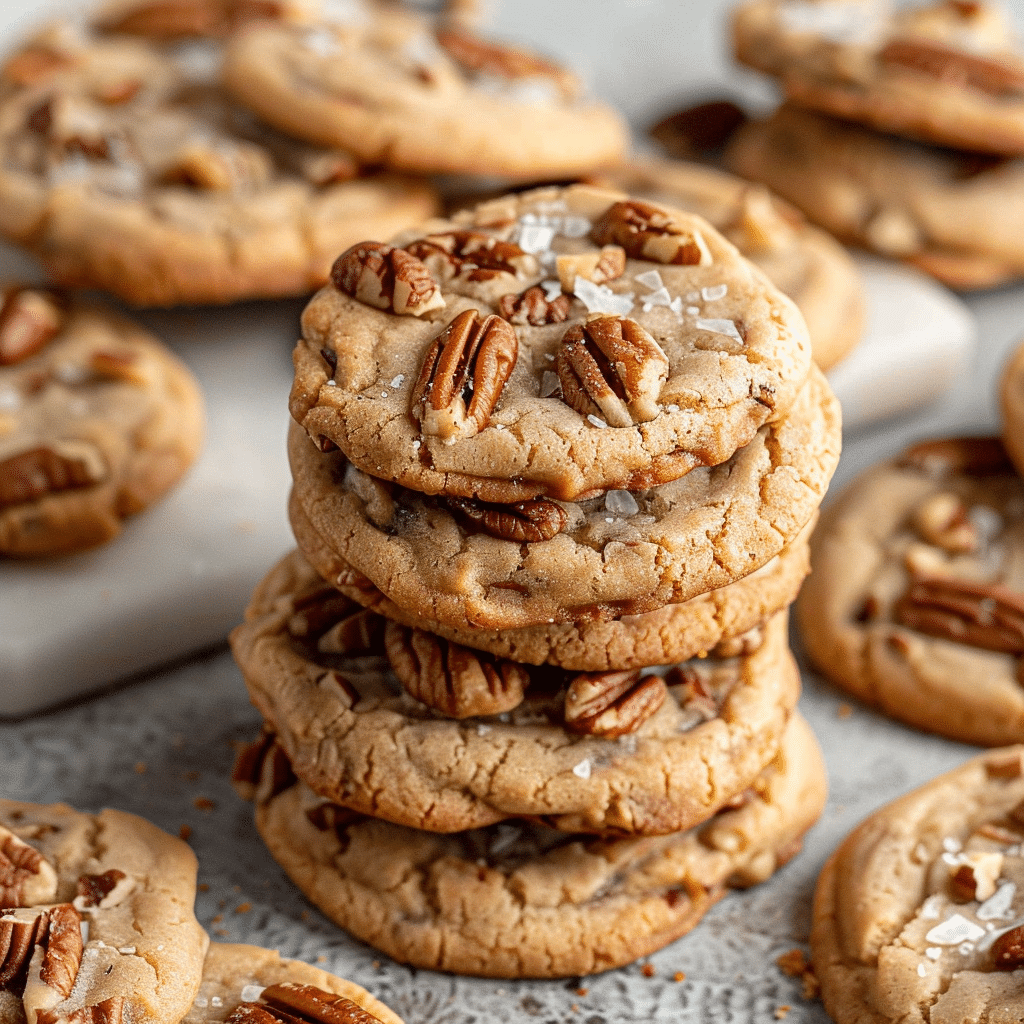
[[96, 918], [916, 598], [951, 214], [539, 562], [559, 342], [364, 709], [387, 85], [947, 72], [251, 985], [545, 903], [125, 166], [1011, 395], [97, 420], [917, 915], [675, 632], [814, 270]]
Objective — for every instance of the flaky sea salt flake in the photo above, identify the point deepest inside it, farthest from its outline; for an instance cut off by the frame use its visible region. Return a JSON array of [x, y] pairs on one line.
[[535, 238], [998, 906], [549, 383], [596, 420], [650, 279], [921, 970], [659, 298], [621, 503], [714, 292], [716, 326], [954, 931], [951, 845], [599, 298], [933, 952], [250, 993], [552, 289], [396, 382], [582, 770]]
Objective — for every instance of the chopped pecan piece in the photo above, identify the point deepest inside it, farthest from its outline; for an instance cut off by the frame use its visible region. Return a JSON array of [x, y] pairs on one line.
[[975, 456], [354, 633], [602, 266], [762, 223], [945, 521], [178, 19], [982, 615], [262, 769], [534, 307], [328, 817], [463, 374], [976, 879], [124, 366], [289, 1000], [648, 232], [26, 877], [29, 318], [94, 889], [19, 934], [534, 519], [326, 167], [612, 704], [480, 57], [219, 168], [35, 64], [62, 946], [450, 678], [39, 471], [996, 77], [479, 256], [611, 368], [1008, 950], [386, 278]]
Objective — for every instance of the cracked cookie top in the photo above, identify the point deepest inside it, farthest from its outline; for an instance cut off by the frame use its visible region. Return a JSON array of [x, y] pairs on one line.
[[397, 90], [917, 915], [561, 342], [946, 72], [97, 420], [96, 916], [916, 598], [124, 165], [364, 710]]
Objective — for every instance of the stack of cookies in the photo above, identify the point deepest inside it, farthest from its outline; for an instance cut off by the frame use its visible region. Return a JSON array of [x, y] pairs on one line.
[[97, 925], [527, 691], [926, 161]]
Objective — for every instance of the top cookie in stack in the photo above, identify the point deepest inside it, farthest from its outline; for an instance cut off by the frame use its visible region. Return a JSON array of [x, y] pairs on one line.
[[945, 83]]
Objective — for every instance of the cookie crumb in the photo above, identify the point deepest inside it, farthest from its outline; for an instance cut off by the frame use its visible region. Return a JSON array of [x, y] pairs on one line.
[[793, 963], [203, 886], [781, 1011], [243, 908], [192, 776], [140, 767], [679, 976], [844, 711], [222, 932], [648, 970], [375, 965], [185, 834], [581, 991], [216, 919], [203, 803]]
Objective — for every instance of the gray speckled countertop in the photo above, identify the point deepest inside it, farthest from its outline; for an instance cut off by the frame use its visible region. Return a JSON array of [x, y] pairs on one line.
[[163, 747]]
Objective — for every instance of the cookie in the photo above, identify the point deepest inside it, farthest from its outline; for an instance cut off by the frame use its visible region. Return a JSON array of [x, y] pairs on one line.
[[814, 270], [97, 921], [388, 86], [126, 167], [614, 751], [917, 915], [950, 214], [946, 72], [97, 421], [1011, 395], [544, 903], [241, 983], [675, 632], [915, 600], [476, 564], [559, 342]]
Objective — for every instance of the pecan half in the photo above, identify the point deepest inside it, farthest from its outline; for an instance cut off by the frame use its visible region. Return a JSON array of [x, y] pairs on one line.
[[534, 519], [290, 1002], [19, 934], [386, 278], [94, 889], [62, 946], [177, 19], [612, 704], [262, 769], [1008, 950], [26, 877], [478, 256], [648, 232], [611, 368], [463, 374], [982, 615], [29, 318], [452, 679], [534, 307], [39, 471], [126, 367], [607, 264], [999, 78], [357, 632], [975, 456], [480, 57], [945, 521], [328, 817]]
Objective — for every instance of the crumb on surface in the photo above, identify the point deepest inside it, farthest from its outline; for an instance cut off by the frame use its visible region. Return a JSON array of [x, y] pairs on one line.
[[793, 963], [185, 833], [679, 976], [781, 1011], [581, 991], [203, 803], [243, 908], [140, 767], [648, 970], [844, 711]]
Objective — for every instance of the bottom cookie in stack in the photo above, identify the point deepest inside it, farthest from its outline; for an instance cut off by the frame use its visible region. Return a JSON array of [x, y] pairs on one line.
[[406, 825]]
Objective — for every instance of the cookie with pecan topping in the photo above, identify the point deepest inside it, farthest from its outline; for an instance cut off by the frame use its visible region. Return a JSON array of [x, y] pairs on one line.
[[251, 985], [96, 917], [944, 71], [808, 265], [917, 915], [636, 344], [545, 903], [951, 214], [364, 712], [97, 420], [621, 553], [127, 167], [397, 90], [916, 598]]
